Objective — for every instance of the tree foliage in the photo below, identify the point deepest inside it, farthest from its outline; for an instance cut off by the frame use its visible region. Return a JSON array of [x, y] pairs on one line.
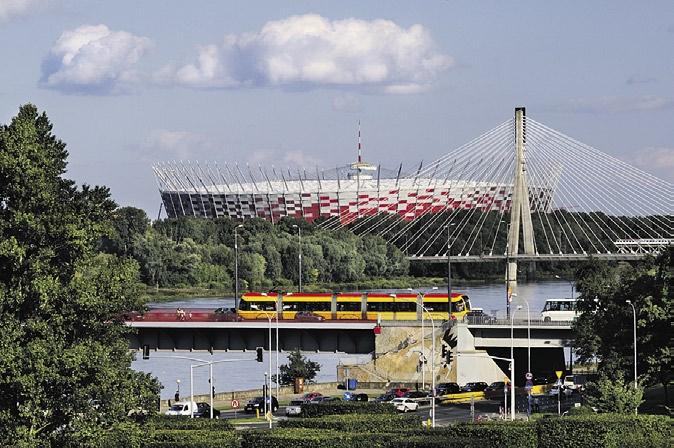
[[65, 365], [298, 367], [605, 328], [614, 395]]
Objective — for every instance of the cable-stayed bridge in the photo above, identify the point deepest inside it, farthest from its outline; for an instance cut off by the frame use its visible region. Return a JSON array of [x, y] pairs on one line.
[[523, 191]]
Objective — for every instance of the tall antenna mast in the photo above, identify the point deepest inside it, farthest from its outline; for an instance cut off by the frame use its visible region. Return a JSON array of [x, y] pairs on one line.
[[360, 149]]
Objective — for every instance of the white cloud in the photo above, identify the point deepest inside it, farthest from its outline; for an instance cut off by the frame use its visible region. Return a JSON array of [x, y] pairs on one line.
[[310, 50], [282, 159], [164, 144], [655, 159], [614, 104], [93, 59], [10, 9]]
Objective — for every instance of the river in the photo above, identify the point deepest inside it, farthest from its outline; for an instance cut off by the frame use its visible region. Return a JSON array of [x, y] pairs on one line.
[[248, 374]]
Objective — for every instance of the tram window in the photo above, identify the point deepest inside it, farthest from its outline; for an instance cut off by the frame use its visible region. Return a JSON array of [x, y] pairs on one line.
[[316, 306], [458, 307], [262, 306], [380, 306], [438, 307], [290, 307], [348, 306], [405, 307], [466, 299]]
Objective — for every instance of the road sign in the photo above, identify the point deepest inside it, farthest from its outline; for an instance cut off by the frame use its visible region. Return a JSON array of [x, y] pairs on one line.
[[529, 376], [559, 373], [235, 404]]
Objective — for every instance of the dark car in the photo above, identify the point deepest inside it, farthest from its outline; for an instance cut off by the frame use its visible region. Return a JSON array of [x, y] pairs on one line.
[[478, 316], [477, 386], [258, 403], [360, 397], [447, 388], [383, 398], [495, 390], [308, 316], [204, 411], [418, 395], [226, 315]]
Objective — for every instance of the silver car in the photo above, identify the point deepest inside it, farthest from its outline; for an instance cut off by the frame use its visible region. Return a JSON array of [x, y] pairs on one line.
[[294, 408]]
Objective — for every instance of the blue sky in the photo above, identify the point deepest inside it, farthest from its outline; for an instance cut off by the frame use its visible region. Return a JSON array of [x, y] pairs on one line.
[[130, 83]]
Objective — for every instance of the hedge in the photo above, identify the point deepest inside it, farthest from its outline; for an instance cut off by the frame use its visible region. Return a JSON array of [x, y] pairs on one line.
[[186, 423], [606, 430], [492, 434], [357, 422], [311, 438], [346, 407], [172, 438]]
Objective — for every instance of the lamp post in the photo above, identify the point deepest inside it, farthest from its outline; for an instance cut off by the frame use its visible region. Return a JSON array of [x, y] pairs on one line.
[[271, 401], [424, 310], [519, 307], [178, 392], [573, 286], [449, 273], [512, 363], [634, 313], [299, 245], [236, 268]]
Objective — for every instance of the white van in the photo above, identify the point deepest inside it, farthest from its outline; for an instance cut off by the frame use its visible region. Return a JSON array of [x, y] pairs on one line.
[[182, 408], [559, 310]]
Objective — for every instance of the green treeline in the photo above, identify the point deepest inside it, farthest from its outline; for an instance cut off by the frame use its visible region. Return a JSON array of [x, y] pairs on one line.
[[191, 252]]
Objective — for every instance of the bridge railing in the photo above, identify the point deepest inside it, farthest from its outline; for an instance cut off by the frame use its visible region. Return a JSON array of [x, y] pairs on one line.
[[492, 321]]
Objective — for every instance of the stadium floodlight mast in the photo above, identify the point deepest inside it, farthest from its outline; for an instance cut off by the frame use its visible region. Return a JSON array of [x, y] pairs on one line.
[[236, 268]]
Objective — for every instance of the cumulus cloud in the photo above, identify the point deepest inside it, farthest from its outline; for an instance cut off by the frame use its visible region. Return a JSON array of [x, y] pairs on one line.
[[10, 9], [614, 104], [310, 50], [93, 59], [291, 158]]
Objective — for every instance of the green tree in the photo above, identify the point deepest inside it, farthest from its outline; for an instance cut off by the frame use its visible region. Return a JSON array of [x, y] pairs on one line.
[[605, 327], [127, 224], [614, 395], [65, 363], [298, 367]]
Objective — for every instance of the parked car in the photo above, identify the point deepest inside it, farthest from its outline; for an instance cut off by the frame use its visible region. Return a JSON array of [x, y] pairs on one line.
[[419, 396], [308, 316], [204, 411], [182, 408], [385, 398], [360, 397], [294, 408], [258, 403], [398, 391], [477, 386], [405, 404], [478, 316], [226, 315], [323, 399], [447, 388], [310, 396]]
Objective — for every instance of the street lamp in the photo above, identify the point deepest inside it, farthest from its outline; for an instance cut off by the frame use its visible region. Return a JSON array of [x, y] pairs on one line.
[[519, 307], [512, 362], [236, 268], [299, 245], [423, 309], [573, 286], [178, 391], [634, 311], [449, 273]]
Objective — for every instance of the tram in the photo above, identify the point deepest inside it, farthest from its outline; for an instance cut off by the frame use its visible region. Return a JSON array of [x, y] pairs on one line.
[[354, 305]]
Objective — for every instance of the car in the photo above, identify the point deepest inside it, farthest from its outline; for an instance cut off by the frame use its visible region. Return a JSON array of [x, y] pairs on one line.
[[310, 396], [419, 396], [555, 391], [258, 403], [478, 316], [294, 408], [447, 388], [385, 398], [398, 391], [360, 397], [204, 411], [323, 399], [405, 404], [181, 408], [227, 315], [495, 390], [477, 386], [308, 316]]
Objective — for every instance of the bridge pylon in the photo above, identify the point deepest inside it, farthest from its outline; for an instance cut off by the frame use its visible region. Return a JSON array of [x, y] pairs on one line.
[[520, 209]]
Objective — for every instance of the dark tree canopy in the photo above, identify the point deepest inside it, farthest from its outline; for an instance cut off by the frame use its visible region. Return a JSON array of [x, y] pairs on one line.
[[65, 363], [298, 367]]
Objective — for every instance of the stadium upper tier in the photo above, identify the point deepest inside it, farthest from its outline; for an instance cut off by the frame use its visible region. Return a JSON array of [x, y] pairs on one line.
[[194, 191]]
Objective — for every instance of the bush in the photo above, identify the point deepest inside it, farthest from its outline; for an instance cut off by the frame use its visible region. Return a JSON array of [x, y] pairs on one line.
[[127, 434], [496, 434], [186, 423], [357, 422], [311, 438], [606, 430], [172, 438], [431, 441], [346, 407]]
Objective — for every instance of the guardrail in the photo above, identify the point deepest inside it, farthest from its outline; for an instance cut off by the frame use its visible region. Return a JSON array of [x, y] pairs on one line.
[[491, 321]]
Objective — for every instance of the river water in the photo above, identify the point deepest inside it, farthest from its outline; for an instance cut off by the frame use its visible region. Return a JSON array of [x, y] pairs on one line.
[[249, 374]]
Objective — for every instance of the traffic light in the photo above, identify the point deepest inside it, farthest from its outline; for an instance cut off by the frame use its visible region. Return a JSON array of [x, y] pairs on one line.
[[259, 351], [451, 343], [146, 351]]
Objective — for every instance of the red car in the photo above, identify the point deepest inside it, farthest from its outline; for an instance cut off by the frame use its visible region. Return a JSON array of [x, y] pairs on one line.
[[311, 395], [308, 316], [227, 315], [398, 391]]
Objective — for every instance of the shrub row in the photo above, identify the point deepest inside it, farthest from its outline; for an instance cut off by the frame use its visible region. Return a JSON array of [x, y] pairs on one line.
[[357, 422], [172, 438], [346, 407], [186, 423]]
